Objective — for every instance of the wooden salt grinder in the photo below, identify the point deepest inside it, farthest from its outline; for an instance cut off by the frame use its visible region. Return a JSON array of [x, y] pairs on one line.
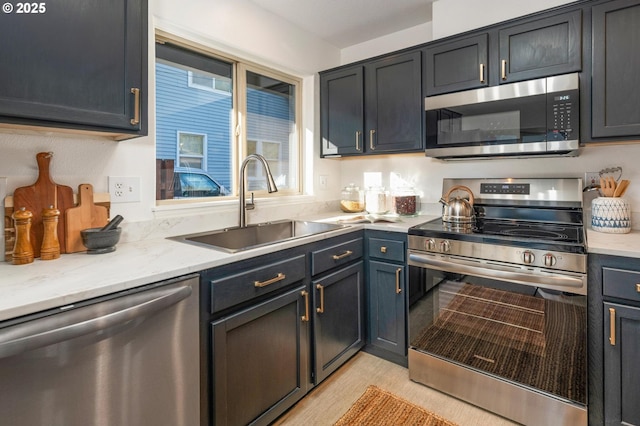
[[22, 250], [50, 248]]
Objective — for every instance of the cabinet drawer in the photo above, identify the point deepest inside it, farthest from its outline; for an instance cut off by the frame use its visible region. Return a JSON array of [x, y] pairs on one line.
[[237, 288], [325, 259], [621, 283], [380, 248]]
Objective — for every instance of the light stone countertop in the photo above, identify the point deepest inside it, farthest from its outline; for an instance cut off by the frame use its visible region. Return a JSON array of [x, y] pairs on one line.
[[627, 245], [41, 285]]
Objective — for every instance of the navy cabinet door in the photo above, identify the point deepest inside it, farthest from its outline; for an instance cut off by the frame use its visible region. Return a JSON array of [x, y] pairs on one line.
[[386, 304], [541, 48], [342, 111], [393, 104], [616, 69], [457, 65], [75, 64], [339, 318], [621, 378]]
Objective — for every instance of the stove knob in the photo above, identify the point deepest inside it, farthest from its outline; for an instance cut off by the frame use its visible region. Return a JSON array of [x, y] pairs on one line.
[[528, 257], [549, 259], [445, 246], [431, 244]]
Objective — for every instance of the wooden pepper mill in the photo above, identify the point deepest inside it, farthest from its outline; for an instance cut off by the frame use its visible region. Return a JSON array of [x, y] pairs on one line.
[[50, 248], [22, 250]]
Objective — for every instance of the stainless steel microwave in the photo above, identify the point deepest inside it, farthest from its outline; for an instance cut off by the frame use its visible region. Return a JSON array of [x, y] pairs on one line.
[[529, 118]]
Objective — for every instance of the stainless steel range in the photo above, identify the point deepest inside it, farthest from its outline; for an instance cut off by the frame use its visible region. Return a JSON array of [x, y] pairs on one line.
[[497, 299]]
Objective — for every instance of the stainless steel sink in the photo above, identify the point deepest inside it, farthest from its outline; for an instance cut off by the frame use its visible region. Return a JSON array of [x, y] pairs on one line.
[[237, 239]]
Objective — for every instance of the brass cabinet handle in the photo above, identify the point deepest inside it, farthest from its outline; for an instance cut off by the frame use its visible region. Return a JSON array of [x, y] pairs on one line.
[[321, 308], [638, 287], [358, 133], [612, 326], [372, 133], [305, 317], [383, 249], [342, 256], [136, 106], [398, 289], [503, 68], [275, 279], [482, 73]]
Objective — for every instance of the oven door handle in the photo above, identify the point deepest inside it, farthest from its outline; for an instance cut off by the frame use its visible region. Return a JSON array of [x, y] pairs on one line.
[[562, 282]]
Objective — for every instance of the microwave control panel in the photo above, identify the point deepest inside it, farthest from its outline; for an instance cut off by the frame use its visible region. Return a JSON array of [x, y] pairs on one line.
[[563, 115]]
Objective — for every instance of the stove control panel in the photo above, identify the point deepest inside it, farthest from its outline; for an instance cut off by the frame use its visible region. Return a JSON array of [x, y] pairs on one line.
[[505, 188], [530, 258]]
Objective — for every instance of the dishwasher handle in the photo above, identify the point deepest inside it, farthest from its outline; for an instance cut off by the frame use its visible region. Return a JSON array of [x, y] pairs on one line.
[[64, 326]]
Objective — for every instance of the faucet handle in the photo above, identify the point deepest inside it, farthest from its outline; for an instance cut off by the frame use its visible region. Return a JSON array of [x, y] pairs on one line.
[[250, 205]]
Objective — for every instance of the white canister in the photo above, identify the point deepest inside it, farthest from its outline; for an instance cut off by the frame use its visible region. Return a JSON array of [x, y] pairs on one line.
[[611, 215]]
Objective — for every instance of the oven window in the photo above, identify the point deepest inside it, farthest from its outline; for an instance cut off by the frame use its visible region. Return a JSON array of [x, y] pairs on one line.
[[527, 335]]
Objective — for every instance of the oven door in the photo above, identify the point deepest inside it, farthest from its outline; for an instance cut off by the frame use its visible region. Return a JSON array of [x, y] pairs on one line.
[[511, 335], [513, 119]]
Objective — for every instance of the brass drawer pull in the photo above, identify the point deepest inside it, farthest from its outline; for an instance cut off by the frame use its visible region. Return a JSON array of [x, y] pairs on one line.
[[279, 277], [398, 288], [305, 317], [638, 287], [612, 326], [321, 308], [383, 249], [343, 255], [136, 106]]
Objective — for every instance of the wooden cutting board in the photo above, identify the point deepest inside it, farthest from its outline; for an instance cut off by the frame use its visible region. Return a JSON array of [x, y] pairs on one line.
[[43, 194], [85, 215], [99, 198]]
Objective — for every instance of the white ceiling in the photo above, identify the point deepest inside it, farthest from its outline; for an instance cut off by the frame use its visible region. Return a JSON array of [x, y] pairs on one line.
[[344, 23]]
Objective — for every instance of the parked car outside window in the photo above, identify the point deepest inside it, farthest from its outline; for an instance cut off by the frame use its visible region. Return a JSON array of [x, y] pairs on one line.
[[195, 183]]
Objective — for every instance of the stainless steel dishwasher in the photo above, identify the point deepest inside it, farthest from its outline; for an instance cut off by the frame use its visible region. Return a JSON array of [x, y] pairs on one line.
[[128, 359]]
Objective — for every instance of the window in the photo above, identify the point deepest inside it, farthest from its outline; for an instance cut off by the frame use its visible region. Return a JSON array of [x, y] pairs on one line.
[[191, 149], [212, 112]]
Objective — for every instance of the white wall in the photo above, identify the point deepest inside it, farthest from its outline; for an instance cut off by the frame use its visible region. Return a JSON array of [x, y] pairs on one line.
[[456, 16], [396, 41]]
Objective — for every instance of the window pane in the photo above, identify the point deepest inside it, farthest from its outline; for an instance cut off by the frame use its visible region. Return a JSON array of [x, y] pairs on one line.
[[193, 124], [271, 130]]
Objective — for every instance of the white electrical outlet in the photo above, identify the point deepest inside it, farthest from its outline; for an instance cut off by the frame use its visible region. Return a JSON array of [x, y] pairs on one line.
[[591, 179], [124, 189], [322, 182]]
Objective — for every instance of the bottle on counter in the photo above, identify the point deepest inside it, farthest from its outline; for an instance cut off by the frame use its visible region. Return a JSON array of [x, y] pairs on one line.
[[22, 249], [406, 202], [352, 199], [50, 244], [375, 200]]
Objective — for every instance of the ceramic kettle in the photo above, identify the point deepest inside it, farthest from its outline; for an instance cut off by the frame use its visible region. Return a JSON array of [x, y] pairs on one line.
[[457, 210]]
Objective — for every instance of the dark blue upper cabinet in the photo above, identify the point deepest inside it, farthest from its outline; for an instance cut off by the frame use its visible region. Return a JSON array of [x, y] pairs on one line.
[[374, 107], [75, 64]]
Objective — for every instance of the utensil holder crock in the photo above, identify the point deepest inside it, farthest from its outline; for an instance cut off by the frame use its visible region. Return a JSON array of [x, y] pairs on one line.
[[611, 215]]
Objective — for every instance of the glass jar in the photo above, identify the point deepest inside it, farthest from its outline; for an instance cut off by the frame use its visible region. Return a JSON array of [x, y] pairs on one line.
[[406, 202], [375, 200], [352, 199]]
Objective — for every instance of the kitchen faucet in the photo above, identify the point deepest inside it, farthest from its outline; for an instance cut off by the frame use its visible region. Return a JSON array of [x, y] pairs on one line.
[[271, 186]]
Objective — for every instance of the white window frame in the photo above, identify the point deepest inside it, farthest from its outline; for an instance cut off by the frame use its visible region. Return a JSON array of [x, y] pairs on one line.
[[297, 163], [204, 148]]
